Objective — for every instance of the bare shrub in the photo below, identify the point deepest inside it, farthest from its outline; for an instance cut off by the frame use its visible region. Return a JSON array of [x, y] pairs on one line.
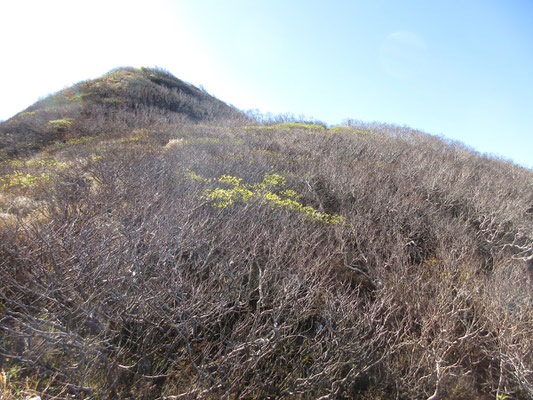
[[132, 284]]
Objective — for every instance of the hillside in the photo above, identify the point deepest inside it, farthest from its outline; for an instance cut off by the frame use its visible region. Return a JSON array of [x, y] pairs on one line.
[[188, 255], [124, 98]]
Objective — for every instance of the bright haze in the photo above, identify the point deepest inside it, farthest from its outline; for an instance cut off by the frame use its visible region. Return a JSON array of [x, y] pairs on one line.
[[462, 70]]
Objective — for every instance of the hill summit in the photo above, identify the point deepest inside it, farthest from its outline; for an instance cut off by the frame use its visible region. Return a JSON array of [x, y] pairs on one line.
[[123, 98]]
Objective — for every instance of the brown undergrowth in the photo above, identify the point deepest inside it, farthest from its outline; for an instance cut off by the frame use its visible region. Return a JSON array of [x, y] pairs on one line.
[[194, 261]]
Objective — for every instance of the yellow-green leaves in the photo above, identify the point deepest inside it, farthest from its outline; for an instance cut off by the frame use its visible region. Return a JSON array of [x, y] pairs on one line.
[[274, 181], [74, 141], [19, 179], [309, 128], [60, 124], [30, 173], [232, 180], [230, 190], [131, 139], [194, 176]]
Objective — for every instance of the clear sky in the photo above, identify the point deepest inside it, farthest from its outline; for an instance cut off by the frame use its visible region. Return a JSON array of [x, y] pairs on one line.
[[460, 69]]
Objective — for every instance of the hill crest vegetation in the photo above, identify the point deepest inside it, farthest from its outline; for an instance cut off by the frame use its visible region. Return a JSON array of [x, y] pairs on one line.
[[124, 98], [156, 243]]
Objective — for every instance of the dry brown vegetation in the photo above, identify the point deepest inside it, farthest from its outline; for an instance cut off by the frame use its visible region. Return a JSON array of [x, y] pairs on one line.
[[190, 261]]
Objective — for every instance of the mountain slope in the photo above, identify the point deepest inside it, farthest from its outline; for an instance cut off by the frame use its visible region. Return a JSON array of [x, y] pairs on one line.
[[123, 98], [185, 260]]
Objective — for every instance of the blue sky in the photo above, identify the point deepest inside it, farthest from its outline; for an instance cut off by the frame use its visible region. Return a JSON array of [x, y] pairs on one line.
[[460, 69]]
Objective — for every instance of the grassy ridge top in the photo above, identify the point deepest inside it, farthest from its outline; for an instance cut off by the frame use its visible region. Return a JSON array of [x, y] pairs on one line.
[[240, 260], [124, 98]]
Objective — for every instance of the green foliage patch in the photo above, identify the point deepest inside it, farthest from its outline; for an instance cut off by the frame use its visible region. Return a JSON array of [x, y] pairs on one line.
[[348, 129], [271, 190], [289, 126], [21, 180], [60, 124], [74, 141], [29, 174]]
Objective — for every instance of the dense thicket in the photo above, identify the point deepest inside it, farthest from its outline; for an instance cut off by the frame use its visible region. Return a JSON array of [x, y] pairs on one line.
[[273, 261]]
